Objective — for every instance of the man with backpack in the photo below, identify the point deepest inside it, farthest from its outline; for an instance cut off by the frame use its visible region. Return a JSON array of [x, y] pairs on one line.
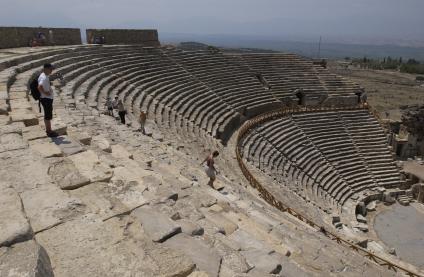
[[46, 97]]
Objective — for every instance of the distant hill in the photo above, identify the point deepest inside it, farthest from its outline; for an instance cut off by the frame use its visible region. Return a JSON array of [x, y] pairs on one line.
[[308, 49]]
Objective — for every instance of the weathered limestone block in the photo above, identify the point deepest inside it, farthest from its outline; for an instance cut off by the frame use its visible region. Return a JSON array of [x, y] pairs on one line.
[[20, 104], [171, 262], [59, 127], [82, 137], [33, 132], [46, 148], [3, 94], [88, 246], [361, 218], [4, 119], [14, 128], [14, 226], [47, 206], [236, 262], [11, 141], [98, 200], [129, 194], [4, 107], [27, 259], [66, 175], [120, 152], [205, 258], [198, 274], [102, 143], [263, 261], [157, 226], [27, 118], [227, 226], [67, 146], [130, 171], [89, 166], [371, 206], [190, 228], [17, 93]]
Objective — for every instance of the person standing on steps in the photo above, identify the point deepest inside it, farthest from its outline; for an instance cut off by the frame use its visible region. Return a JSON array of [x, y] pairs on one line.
[[210, 169], [46, 97], [142, 120], [115, 103], [121, 111], [109, 106]]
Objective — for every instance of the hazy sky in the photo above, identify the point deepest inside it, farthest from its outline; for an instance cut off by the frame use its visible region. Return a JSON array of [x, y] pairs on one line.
[[380, 19]]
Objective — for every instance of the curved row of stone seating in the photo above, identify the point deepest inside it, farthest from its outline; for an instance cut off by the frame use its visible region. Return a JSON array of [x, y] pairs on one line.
[[371, 142], [132, 75], [287, 72], [279, 147], [336, 154], [222, 74]]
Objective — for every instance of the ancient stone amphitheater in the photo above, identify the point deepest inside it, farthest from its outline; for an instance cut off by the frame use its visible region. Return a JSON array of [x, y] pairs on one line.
[[299, 161]]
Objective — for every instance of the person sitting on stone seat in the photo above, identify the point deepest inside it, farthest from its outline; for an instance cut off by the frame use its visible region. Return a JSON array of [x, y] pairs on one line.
[[210, 169], [46, 97]]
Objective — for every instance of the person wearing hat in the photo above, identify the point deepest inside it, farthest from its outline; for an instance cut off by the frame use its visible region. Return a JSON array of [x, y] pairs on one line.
[[46, 97]]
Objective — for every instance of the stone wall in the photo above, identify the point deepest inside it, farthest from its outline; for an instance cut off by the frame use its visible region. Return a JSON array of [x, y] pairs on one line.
[[124, 36], [11, 37]]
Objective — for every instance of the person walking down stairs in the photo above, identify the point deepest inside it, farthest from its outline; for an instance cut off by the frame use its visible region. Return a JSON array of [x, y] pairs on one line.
[[121, 111], [210, 169], [142, 120]]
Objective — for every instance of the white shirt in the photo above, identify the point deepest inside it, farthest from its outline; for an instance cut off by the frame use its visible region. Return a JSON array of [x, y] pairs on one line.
[[44, 81]]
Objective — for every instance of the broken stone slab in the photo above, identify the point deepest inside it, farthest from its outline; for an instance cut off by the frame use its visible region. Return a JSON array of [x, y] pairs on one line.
[[82, 137], [361, 226], [205, 257], [371, 206], [12, 141], [89, 166], [59, 127], [67, 146], [263, 261], [47, 206], [20, 104], [120, 152], [157, 226], [190, 228], [46, 148], [4, 95], [102, 143], [14, 226], [66, 175], [236, 262], [25, 259], [361, 218], [14, 128], [171, 262], [33, 132], [18, 93], [198, 274], [130, 171], [129, 194], [27, 118], [4, 119], [220, 221], [88, 246], [98, 200], [4, 107]]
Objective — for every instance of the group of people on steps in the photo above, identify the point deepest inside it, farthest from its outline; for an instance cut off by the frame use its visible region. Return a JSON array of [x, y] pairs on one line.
[[46, 100], [118, 105]]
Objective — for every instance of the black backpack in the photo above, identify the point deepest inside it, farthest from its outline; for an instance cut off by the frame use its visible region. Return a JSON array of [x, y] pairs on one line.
[[35, 93]]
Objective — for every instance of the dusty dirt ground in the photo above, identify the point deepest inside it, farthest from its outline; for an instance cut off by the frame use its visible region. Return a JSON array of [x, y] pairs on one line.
[[386, 90]]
